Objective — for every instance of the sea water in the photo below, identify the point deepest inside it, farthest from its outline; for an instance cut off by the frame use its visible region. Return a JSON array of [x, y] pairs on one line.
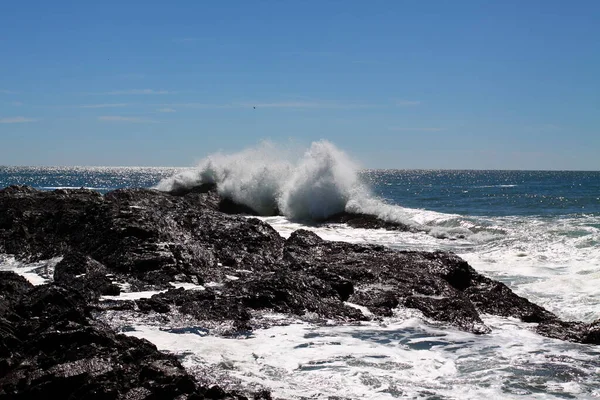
[[536, 231]]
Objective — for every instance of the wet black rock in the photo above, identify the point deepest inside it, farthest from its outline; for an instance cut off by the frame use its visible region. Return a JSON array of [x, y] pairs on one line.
[[571, 331], [382, 279], [147, 239], [226, 205], [496, 298], [51, 347], [35, 225], [222, 204], [287, 292], [12, 288], [366, 221], [81, 273], [145, 235]]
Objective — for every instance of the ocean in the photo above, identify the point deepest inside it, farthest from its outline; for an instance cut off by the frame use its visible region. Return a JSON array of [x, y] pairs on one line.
[[536, 231]]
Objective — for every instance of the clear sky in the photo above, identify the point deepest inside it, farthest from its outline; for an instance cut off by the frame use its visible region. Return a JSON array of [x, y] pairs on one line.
[[511, 84]]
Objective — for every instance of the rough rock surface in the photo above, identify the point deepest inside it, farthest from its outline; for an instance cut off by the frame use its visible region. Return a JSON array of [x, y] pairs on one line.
[[51, 347], [148, 239], [138, 234], [84, 275], [366, 221], [152, 240]]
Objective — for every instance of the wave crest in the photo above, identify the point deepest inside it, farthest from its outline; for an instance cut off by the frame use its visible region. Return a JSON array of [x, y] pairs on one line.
[[321, 184], [313, 187]]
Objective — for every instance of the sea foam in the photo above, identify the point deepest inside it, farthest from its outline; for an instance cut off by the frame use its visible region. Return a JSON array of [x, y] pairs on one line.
[[321, 182]]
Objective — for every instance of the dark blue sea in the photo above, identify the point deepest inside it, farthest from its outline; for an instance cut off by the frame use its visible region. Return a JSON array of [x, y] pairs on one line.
[[467, 192]]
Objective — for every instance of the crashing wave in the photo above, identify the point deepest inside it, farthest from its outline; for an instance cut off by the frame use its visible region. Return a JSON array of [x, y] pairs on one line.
[[315, 186], [319, 185]]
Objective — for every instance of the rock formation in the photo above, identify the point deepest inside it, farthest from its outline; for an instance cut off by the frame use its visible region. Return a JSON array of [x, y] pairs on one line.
[[52, 337]]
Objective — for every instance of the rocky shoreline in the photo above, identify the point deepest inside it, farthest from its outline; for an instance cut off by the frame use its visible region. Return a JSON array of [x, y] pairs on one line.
[[56, 339]]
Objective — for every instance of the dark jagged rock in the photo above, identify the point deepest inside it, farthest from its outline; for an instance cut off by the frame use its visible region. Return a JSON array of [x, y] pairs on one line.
[[41, 225], [283, 292], [571, 331], [12, 285], [12, 288], [440, 284], [226, 205], [204, 306], [496, 298], [222, 204], [78, 272], [182, 190], [366, 221], [230, 207], [382, 279], [149, 235], [59, 351], [150, 239]]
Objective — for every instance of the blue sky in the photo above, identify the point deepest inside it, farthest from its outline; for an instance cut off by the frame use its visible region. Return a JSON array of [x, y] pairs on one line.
[[396, 84]]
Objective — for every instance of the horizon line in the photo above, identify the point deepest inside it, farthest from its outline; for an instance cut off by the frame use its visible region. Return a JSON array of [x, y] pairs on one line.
[[359, 169]]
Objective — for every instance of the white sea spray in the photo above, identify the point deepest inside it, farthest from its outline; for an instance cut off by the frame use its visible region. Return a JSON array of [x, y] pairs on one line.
[[319, 183]]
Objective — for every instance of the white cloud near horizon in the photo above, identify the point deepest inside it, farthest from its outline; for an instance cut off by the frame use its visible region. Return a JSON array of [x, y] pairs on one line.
[[16, 120], [427, 129], [191, 39], [166, 110], [131, 76], [109, 105], [277, 104], [366, 62], [311, 53], [195, 105], [120, 118], [137, 92], [305, 104], [404, 103], [544, 127]]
